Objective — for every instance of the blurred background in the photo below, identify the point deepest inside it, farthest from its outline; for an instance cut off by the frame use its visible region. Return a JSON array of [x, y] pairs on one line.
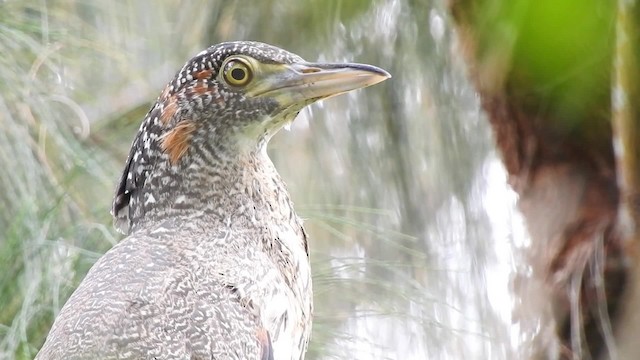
[[414, 232]]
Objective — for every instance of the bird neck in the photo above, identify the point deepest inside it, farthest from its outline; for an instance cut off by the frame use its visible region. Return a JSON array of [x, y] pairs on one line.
[[243, 188]]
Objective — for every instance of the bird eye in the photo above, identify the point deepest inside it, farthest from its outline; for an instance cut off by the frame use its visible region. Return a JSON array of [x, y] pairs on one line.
[[237, 72]]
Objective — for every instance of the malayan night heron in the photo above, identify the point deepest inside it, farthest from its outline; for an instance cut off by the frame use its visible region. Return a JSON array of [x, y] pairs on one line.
[[216, 262]]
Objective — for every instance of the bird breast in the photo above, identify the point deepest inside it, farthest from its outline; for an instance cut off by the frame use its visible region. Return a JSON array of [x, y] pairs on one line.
[[280, 288], [286, 311]]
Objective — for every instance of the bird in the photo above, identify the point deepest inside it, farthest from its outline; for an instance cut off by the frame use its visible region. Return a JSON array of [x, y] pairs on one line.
[[215, 264]]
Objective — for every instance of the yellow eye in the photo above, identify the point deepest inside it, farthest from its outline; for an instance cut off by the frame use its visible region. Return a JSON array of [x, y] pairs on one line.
[[237, 72]]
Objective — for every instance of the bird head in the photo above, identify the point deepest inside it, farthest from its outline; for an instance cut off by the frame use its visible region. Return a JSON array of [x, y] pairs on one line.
[[229, 99]]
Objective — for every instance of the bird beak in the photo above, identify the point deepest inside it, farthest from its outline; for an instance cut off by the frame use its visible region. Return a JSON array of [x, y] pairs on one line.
[[304, 83]]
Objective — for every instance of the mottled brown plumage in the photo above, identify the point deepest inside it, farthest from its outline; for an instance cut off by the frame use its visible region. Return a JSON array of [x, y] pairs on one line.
[[216, 262]]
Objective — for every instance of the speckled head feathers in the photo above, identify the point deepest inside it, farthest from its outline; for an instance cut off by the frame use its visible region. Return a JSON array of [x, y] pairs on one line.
[[165, 134]]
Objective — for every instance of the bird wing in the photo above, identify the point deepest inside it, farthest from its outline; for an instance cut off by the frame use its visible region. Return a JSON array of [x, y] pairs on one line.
[[142, 156], [148, 298]]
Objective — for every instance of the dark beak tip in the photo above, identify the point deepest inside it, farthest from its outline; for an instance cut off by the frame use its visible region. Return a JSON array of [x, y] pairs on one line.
[[377, 72], [384, 73], [373, 69]]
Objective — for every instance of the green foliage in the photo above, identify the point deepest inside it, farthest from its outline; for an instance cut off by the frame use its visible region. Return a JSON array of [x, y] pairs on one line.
[[557, 54], [564, 49]]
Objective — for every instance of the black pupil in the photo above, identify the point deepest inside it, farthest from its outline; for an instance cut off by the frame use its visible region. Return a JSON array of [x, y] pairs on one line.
[[238, 74]]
